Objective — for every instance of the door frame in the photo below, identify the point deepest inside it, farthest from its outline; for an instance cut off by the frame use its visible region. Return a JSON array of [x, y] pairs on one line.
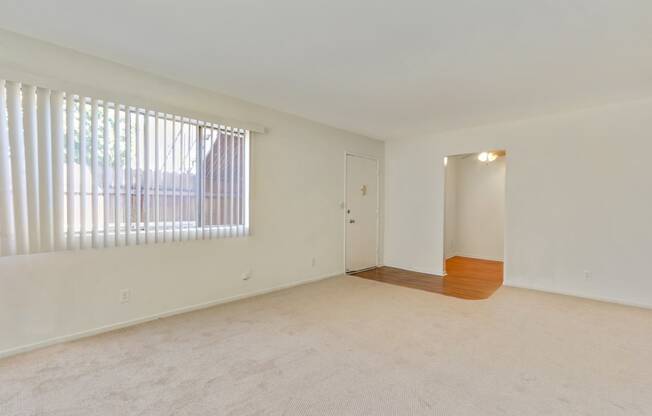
[[506, 219], [344, 208]]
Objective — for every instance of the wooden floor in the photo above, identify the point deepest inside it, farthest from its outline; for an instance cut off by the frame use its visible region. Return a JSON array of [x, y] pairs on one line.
[[466, 278]]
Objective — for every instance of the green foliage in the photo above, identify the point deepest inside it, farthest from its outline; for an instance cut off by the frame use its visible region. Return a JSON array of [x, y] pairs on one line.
[[110, 139]]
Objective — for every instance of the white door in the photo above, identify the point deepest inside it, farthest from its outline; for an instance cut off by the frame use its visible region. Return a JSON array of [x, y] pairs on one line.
[[361, 213]]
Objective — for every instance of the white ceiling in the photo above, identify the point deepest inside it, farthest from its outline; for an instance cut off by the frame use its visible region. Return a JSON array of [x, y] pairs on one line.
[[388, 69]]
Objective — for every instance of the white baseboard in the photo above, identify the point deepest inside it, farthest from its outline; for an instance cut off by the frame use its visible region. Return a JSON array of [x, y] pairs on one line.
[[177, 311], [479, 257], [580, 295]]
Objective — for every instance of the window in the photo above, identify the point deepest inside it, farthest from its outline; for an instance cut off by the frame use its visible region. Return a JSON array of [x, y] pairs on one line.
[[78, 172]]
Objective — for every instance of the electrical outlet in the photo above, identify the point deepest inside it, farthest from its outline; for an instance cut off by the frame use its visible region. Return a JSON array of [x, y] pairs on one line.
[[314, 261], [587, 274], [125, 296], [246, 275]]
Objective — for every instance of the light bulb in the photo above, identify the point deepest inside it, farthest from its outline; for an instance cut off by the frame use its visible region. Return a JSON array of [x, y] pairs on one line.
[[445, 161], [483, 157], [491, 157]]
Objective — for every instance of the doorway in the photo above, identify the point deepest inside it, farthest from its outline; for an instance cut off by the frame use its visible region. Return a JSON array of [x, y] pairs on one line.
[[474, 216], [361, 213]]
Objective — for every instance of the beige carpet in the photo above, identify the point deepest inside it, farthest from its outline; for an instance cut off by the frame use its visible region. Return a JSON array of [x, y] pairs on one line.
[[348, 346]]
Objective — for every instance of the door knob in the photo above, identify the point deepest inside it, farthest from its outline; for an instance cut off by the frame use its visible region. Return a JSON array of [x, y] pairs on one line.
[[351, 221]]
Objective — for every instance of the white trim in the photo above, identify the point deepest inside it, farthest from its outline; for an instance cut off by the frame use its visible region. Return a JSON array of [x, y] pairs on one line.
[[362, 270], [185, 309], [580, 295], [346, 176], [477, 257]]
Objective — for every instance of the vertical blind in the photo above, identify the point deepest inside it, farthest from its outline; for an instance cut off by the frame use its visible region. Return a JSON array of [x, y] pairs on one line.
[[79, 172]]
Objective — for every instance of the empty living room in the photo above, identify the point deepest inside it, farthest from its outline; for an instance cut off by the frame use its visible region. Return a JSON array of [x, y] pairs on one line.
[[346, 208]]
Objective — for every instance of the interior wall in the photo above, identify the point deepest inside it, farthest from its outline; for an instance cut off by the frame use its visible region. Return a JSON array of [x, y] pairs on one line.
[[450, 209], [578, 200], [297, 185], [475, 218]]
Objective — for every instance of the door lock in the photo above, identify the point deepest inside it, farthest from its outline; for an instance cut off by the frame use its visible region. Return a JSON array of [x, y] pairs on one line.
[[351, 221]]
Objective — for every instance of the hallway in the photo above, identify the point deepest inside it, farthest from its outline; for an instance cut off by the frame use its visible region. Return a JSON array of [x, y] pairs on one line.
[[466, 278]]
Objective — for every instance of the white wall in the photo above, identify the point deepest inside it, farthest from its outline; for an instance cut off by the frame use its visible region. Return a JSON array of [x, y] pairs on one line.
[[297, 184], [578, 197], [475, 208], [450, 208]]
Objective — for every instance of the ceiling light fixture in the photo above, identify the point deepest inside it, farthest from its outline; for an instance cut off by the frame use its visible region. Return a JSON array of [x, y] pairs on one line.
[[487, 157]]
